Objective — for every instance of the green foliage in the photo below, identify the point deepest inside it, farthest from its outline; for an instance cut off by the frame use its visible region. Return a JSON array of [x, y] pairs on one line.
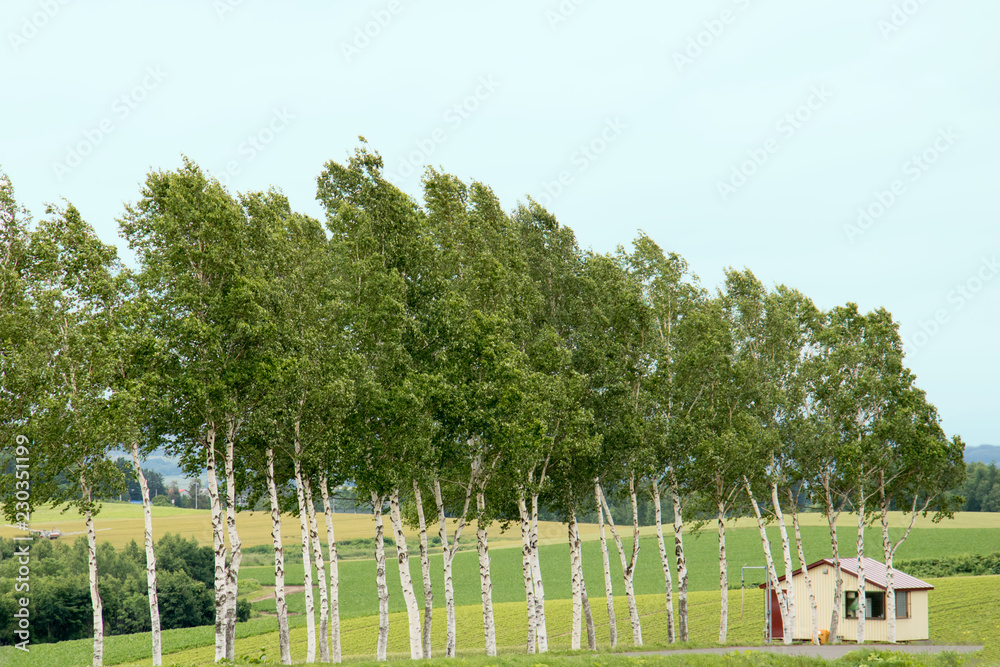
[[982, 488], [60, 594], [951, 566]]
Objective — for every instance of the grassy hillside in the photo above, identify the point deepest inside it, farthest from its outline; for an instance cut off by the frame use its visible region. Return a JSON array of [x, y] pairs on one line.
[[743, 546], [963, 610], [126, 523]]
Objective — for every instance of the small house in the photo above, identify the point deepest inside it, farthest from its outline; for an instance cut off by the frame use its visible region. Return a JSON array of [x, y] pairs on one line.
[[911, 602]]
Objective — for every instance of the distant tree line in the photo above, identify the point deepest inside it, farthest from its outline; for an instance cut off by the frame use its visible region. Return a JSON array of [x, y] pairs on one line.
[[60, 596], [982, 488]]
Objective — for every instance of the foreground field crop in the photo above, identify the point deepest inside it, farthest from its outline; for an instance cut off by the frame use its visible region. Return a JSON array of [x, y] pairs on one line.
[[963, 611]]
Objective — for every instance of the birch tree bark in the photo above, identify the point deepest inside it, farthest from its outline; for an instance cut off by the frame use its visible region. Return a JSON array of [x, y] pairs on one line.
[[805, 572], [95, 595], [380, 582], [448, 557], [606, 557], [154, 601], [575, 587], [772, 573], [280, 603], [317, 553], [682, 573], [663, 560], [786, 552], [406, 582], [529, 585], [838, 596], [219, 545], [627, 567], [489, 627], [306, 558], [541, 632], [425, 568], [235, 547], [585, 601], [889, 551], [334, 572], [723, 577], [862, 602]]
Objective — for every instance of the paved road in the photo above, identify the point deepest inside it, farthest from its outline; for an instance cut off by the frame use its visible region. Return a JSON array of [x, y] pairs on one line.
[[829, 651]]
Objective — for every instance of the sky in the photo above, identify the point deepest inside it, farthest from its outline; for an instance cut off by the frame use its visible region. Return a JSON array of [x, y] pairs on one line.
[[847, 149]]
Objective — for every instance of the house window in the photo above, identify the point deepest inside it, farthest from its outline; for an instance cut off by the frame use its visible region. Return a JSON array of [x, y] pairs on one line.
[[874, 603], [902, 604]]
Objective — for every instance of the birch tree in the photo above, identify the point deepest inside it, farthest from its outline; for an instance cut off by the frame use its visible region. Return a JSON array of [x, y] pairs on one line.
[[921, 469], [199, 252], [380, 235], [74, 286]]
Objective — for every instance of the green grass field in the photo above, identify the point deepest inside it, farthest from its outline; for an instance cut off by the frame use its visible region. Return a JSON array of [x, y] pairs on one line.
[[743, 546], [963, 610]]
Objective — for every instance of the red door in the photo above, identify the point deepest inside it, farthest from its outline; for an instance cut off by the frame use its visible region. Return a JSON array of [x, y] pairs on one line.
[[776, 629]]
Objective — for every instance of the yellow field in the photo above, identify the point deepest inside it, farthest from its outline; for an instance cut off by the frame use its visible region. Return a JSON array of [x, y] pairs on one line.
[[125, 523]]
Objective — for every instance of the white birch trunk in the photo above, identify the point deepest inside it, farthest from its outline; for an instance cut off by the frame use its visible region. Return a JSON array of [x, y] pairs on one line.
[[606, 557], [529, 585], [786, 552], [448, 555], [862, 602], [541, 632], [489, 626], [380, 582], [280, 603], [585, 601], [306, 558], [219, 545], [682, 573], [663, 560], [772, 574], [425, 568], [813, 607], [331, 541], [95, 595], [154, 600], [890, 587], [890, 553], [838, 573], [317, 553], [723, 576], [405, 580], [633, 610], [575, 587], [235, 547]]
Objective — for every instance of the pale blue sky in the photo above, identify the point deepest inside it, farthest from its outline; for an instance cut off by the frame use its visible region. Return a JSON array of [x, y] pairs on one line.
[[836, 101]]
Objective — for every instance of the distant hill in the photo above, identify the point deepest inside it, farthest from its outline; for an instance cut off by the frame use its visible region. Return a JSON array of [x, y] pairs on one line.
[[983, 453]]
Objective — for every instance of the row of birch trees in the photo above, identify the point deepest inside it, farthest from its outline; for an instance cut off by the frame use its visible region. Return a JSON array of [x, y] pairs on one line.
[[475, 362]]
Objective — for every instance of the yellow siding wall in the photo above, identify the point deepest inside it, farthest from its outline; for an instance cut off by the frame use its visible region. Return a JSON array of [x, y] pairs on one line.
[[824, 586]]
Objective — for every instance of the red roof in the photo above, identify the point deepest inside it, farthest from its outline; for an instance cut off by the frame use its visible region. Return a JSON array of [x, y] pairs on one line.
[[874, 574]]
